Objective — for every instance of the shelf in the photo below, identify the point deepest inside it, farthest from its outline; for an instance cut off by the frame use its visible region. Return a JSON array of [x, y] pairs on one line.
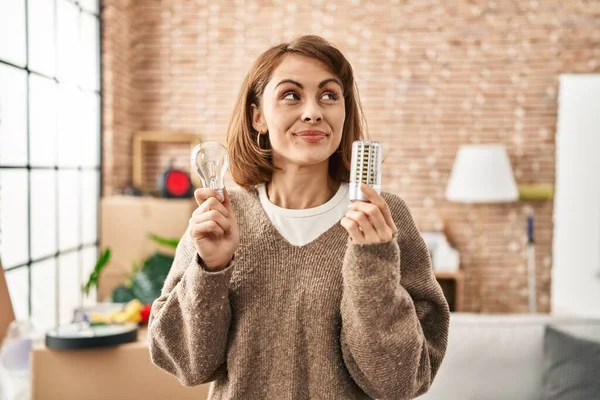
[[452, 284], [448, 274]]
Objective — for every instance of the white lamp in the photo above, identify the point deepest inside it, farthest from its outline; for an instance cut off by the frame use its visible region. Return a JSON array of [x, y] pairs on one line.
[[481, 175]]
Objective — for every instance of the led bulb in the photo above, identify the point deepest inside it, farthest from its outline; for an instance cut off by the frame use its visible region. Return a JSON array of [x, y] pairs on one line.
[[365, 168], [210, 160]]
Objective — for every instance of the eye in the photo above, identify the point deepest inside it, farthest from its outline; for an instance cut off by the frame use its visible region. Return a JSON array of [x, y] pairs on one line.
[[329, 96], [291, 96]]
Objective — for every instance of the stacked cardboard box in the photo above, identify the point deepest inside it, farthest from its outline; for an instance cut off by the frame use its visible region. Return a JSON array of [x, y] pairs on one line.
[[7, 314], [122, 372], [125, 225]]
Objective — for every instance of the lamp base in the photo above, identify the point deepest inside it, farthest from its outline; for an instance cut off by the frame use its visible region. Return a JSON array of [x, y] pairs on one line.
[[479, 288]]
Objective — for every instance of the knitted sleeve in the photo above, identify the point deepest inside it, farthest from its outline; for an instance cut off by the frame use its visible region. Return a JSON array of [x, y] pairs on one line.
[[189, 322], [395, 317]]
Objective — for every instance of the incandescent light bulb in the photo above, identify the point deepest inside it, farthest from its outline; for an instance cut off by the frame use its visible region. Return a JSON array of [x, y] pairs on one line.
[[210, 160]]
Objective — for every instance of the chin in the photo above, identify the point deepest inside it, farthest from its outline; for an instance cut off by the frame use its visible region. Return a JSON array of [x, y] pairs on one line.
[[311, 157]]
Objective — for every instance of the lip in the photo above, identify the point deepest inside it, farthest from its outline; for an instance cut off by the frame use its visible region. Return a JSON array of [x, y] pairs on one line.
[[310, 133], [311, 136]]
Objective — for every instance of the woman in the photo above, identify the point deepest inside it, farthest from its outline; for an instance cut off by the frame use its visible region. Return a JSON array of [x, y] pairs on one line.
[[285, 290]]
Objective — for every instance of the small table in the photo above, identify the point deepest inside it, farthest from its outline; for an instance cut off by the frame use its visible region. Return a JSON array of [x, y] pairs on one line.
[[452, 284]]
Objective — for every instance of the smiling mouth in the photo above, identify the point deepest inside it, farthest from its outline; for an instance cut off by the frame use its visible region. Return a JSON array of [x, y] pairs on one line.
[[311, 134], [311, 137]]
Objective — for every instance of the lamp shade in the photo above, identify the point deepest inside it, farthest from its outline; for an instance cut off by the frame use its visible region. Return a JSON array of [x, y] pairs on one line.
[[482, 174]]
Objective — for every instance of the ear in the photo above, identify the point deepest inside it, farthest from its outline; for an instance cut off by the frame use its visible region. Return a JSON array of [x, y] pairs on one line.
[[258, 120]]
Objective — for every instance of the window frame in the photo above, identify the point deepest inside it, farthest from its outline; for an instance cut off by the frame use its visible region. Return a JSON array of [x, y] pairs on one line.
[[57, 168]]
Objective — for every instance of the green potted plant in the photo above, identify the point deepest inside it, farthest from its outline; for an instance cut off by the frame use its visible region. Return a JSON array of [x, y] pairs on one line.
[[146, 281]]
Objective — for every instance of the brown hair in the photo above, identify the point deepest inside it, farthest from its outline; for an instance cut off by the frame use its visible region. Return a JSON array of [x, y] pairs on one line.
[[250, 162]]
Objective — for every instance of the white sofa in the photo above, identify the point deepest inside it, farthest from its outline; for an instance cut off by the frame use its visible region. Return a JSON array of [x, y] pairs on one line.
[[500, 357]]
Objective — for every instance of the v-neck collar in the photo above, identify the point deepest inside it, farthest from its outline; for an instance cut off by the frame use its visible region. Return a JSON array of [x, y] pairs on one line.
[[335, 232]]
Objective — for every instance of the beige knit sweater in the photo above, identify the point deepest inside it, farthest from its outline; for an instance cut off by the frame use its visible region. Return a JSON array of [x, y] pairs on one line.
[[327, 320]]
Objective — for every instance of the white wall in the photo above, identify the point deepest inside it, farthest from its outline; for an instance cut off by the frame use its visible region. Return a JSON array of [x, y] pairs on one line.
[[576, 259]]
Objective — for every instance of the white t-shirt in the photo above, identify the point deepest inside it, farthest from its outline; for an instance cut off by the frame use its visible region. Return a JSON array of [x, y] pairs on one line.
[[300, 227]]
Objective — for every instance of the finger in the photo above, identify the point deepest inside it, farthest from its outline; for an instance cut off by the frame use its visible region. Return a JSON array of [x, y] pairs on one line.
[[206, 228], [353, 231], [212, 203], [384, 232], [227, 200], [376, 199], [364, 224], [212, 215], [202, 194]]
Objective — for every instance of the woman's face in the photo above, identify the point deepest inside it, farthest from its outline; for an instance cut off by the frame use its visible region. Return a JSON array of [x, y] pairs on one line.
[[302, 109]]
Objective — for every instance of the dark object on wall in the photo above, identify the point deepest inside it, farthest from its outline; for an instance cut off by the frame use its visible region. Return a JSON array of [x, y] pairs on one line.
[[132, 191], [175, 183]]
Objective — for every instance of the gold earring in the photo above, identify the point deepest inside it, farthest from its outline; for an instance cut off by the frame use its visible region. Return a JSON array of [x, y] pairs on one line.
[[266, 150]]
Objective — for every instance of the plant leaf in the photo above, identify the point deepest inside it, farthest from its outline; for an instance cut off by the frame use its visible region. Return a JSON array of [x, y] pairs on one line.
[[122, 294], [146, 285], [144, 289], [157, 267], [98, 268], [169, 242]]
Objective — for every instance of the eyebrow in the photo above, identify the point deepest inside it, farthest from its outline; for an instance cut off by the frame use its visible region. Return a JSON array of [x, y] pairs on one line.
[[293, 82]]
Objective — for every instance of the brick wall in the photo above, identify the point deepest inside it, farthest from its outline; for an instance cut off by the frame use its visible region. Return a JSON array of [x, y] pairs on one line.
[[118, 101], [432, 75]]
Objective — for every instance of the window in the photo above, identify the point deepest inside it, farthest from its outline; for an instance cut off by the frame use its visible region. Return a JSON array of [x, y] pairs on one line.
[[49, 154]]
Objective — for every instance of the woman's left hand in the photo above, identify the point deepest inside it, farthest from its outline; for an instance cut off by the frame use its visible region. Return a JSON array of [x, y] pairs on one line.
[[369, 223]]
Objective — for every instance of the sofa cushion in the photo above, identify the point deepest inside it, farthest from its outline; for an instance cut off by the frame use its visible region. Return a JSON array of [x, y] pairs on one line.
[[571, 366], [499, 357]]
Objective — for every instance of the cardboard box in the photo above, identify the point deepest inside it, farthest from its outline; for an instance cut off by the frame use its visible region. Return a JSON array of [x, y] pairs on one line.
[[123, 372], [126, 222], [119, 373], [7, 314]]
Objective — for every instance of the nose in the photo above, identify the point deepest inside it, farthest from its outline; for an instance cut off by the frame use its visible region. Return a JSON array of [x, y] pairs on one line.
[[312, 113]]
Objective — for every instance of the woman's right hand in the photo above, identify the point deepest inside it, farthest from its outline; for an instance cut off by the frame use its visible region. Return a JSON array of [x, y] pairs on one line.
[[213, 229]]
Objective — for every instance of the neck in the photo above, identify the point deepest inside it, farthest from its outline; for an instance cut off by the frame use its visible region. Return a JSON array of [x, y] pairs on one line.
[[301, 188]]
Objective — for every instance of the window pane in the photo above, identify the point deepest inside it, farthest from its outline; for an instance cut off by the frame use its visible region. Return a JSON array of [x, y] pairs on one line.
[[89, 55], [90, 129], [69, 147], [42, 121], [89, 258], [68, 41], [69, 287], [12, 25], [13, 116], [43, 294], [41, 37], [68, 209], [13, 217], [43, 213], [18, 288], [89, 206], [92, 6]]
